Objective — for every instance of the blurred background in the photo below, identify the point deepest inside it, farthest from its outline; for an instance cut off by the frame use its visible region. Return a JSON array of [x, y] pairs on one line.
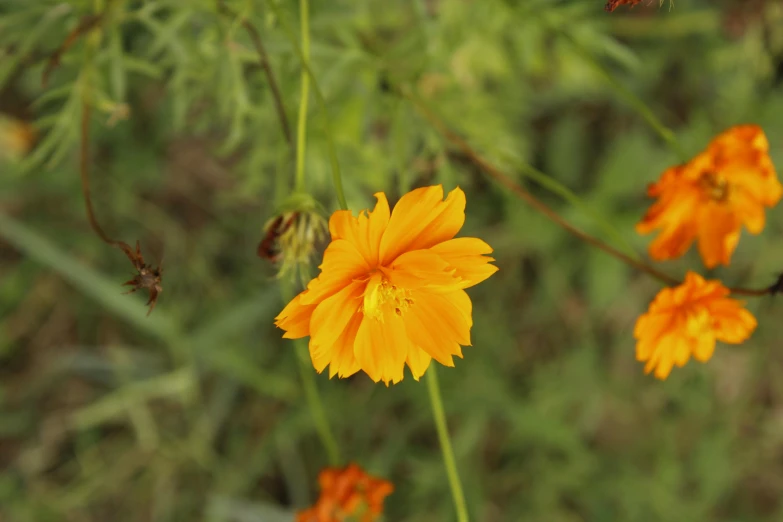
[[198, 413]]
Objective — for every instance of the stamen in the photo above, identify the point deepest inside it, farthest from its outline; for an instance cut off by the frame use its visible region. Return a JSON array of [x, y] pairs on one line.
[[382, 297], [715, 186]]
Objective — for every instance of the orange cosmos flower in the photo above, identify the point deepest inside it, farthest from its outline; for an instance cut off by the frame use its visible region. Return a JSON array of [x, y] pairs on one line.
[[391, 289], [688, 320], [347, 492], [712, 196]]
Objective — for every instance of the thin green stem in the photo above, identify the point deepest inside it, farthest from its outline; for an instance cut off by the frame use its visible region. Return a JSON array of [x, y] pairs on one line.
[[263, 59], [445, 443], [634, 101], [555, 187], [301, 128], [319, 95], [526, 195], [315, 404]]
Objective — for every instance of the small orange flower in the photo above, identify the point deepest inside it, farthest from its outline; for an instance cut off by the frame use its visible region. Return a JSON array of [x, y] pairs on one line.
[[689, 319], [347, 492], [391, 290], [712, 196]]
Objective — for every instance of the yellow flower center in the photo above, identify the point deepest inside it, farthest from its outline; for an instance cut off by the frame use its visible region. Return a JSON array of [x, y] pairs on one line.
[[715, 186], [698, 323], [382, 297]]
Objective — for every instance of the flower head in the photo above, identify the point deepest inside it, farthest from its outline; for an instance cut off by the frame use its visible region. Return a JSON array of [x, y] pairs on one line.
[[712, 196], [347, 494], [391, 290], [688, 320], [292, 237]]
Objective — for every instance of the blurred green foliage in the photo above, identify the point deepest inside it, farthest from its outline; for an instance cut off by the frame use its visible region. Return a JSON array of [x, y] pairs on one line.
[[197, 412]]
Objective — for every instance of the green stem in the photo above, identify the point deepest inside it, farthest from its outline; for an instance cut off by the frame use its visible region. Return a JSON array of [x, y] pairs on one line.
[[552, 185], [316, 406], [634, 101], [445, 444], [555, 187], [314, 403], [263, 59], [528, 197], [319, 95], [301, 128]]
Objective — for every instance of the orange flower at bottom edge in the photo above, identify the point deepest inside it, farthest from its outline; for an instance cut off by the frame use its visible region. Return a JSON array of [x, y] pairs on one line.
[[347, 494], [711, 197], [688, 320]]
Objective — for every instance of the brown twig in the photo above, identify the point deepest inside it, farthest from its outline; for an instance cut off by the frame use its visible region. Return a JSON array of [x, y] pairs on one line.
[[84, 171], [147, 276], [542, 208], [756, 292], [86, 24], [263, 59]]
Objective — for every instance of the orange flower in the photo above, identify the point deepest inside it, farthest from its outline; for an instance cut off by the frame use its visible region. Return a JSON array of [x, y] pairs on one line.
[[347, 492], [712, 196], [391, 289], [689, 319]]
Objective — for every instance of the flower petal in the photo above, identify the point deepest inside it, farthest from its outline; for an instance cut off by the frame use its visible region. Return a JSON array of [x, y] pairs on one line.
[[465, 255], [750, 211], [439, 324], [673, 214], [719, 232], [342, 263], [422, 219], [649, 329], [663, 357], [673, 242], [381, 347], [418, 361], [422, 268], [364, 232], [332, 315], [295, 318], [446, 223], [733, 324], [704, 348], [344, 363], [377, 223], [320, 355]]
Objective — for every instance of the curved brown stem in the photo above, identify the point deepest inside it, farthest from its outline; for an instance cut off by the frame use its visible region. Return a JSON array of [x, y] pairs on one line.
[[84, 171], [86, 24], [542, 208], [147, 277], [753, 292], [263, 59]]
